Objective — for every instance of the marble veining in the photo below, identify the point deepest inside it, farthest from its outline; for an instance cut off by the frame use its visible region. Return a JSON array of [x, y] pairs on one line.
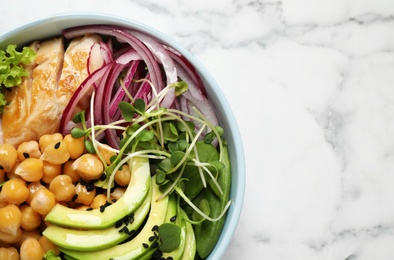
[[311, 85]]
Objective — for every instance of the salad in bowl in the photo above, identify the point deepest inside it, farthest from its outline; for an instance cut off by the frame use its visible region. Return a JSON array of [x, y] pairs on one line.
[[115, 143]]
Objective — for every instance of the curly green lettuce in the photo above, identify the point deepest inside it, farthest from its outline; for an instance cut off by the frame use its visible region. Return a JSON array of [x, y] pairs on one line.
[[12, 68]]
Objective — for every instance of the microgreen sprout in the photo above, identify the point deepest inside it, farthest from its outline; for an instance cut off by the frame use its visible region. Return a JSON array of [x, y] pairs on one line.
[[179, 144], [199, 211]]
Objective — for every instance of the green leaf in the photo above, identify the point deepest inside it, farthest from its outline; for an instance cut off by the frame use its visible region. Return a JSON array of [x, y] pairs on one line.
[[176, 157], [180, 87], [170, 132], [3, 102], [183, 128], [170, 237], [125, 140], [50, 255], [160, 177], [89, 146], [132, 129], [209, 137], [79, 117], [218, 165], [127, 110], [145, 136], [165, 164], [11, 66], [180, 145], [206, 153], [139, 105], [204, 207], [77, 132]]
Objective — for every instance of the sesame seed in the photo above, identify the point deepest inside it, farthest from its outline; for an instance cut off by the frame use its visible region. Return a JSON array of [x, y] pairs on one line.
[[157, 254], [145, 245], [154, 245], [57, 145], [1, 167], [152, 238], [119, 223], [89, 209], [26, 155], [124, 230], [155, 227], [89, 186], [74, 197], [173, 219]]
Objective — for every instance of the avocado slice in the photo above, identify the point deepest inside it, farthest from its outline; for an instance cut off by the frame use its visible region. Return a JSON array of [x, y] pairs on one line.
[[190, 240], [140, 244], [95, 219], [97, 239], [178, 252], [170, 214]]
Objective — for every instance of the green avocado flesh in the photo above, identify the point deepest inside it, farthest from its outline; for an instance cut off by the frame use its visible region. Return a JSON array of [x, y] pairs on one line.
[[137, 247], [190, 241], [96, 239], [178, 252], [134, 195]]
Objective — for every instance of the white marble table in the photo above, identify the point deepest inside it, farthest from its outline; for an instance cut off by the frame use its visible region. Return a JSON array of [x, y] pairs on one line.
[[312, 86]]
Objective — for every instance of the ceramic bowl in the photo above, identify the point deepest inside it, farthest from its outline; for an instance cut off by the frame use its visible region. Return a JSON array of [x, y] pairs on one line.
[[52, 26]]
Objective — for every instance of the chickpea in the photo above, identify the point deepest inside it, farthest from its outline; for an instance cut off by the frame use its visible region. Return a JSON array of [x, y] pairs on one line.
[[10, 219], [56, 153], [106, 152], [30, 219], [31, 250], [8, 156], [76, 146], [98, 201], [11, 174], [10, 238], [62, 187], [50, 171], [9, 253], [68, 170], [84, 196], [15, 191], [3, 201], [29, 149], [35, 233], [117, 193], [30, 169], [122, 176], [47, 245], [46, 139], [88, 166], [43, 201], [33, 187]]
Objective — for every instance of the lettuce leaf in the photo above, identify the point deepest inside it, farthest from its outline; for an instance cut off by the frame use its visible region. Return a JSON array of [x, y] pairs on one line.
[[12, 68]]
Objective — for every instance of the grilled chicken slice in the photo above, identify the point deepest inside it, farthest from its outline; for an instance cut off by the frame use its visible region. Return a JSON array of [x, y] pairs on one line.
[[81, 58], [35, 108], [31, 108]]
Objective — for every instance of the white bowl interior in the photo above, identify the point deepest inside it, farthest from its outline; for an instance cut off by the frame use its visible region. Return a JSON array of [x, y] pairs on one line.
[[51, 26]]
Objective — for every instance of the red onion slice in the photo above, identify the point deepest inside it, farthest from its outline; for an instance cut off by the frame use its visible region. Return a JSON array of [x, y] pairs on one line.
[[123, 36]]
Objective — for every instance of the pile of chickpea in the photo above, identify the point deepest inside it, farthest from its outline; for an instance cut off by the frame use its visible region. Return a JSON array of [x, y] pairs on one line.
[[36, 176]]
